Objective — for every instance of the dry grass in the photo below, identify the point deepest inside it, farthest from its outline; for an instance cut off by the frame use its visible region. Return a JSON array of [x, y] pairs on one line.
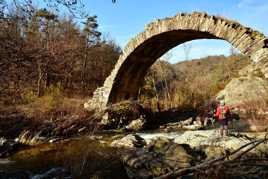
[[189, 84], [46, 104], [66, 119]]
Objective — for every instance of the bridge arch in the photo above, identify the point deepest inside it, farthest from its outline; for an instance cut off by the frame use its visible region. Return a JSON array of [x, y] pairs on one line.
[[162, 35]]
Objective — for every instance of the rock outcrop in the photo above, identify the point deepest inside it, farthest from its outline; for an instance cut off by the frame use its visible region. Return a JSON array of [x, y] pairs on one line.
[[129, 141], [161, 156], [252, 83], [211, 142], [245, 89], [128, 115]]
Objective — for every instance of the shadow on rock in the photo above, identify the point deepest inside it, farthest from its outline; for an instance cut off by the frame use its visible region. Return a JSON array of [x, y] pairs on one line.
[[159, 157]]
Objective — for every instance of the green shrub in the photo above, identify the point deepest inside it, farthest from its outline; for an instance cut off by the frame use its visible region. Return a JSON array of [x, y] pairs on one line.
[[28, 97], [54, 93]]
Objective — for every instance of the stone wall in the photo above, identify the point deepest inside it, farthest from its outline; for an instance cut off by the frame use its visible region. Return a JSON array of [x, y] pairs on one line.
[[162, 35]]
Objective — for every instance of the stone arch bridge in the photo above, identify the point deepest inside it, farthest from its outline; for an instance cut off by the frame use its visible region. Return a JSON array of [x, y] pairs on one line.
[[162, 35]]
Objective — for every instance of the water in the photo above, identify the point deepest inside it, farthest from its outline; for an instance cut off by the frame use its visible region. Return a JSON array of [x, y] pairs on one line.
[[88, 157], [83, 158], [5, 161], [149, 136]]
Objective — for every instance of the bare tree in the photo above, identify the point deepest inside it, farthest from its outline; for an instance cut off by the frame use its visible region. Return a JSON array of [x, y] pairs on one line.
[[233, 51], [45, 49], [187, 49], [167, 56]]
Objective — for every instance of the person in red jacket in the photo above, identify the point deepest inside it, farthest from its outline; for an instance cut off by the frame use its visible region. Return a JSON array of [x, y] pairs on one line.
[[222, 114]]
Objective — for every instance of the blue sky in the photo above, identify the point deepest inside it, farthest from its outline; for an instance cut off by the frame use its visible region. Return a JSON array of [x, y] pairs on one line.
[[124, 19]]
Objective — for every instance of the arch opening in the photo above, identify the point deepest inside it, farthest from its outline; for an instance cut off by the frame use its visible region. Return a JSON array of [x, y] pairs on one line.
[[198, 49], [163, 35], [131, 74]]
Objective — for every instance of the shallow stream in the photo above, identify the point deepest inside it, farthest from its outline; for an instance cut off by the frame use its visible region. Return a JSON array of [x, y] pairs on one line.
[[89, 156], [82, 157]]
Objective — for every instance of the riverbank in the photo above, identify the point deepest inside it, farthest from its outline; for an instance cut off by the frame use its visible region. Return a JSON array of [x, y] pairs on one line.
[[95, 156], [193, 153], [63, 143], [31, 121]]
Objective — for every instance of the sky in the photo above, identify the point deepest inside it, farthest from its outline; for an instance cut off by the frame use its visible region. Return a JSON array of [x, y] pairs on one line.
[[126, 18]]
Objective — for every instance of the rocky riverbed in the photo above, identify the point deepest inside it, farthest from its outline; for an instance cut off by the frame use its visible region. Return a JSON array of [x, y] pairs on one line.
[[156, 154], [133, 155], [200, 138], [70, 149]]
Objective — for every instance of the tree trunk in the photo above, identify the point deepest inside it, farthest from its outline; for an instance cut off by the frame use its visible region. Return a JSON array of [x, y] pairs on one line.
[[83, 71], [39, 81]]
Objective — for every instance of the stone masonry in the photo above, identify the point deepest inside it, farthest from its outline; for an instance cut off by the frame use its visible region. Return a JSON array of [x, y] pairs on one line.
[[162, 35]]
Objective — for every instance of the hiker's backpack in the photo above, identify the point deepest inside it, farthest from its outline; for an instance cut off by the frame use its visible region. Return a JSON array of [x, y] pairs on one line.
[[222, 112]]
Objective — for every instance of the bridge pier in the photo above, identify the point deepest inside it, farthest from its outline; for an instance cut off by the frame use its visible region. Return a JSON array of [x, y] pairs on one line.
[[99, 99]]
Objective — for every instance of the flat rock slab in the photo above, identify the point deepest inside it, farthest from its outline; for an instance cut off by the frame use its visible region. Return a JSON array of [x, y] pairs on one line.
[[211, 137]]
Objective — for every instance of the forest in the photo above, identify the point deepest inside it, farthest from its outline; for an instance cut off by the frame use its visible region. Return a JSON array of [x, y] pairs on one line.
[[54, 55], [44, 53], [42, 49]]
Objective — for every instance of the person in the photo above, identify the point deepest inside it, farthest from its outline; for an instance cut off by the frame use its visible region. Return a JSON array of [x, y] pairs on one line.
[[222, 114], [210, 113]]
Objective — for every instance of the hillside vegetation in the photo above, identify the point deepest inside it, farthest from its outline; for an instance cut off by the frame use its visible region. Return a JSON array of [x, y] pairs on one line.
[[51, 64], [43, 53], [189, 84]]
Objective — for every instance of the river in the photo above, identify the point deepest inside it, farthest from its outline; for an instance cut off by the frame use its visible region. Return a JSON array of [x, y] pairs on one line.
[[92, 156], [81, 157]]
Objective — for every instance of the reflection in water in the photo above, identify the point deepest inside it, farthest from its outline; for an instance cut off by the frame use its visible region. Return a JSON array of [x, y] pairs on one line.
[[83, 158]]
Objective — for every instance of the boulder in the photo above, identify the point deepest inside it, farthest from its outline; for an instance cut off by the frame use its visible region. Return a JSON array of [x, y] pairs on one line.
[[129, 141], [161, 156], [244, 89], [126, 114], [211, 142], [136, 125]]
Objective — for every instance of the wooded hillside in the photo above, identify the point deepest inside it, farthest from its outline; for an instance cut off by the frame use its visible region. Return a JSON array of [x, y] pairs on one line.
[[42, 50], [189, 84]]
